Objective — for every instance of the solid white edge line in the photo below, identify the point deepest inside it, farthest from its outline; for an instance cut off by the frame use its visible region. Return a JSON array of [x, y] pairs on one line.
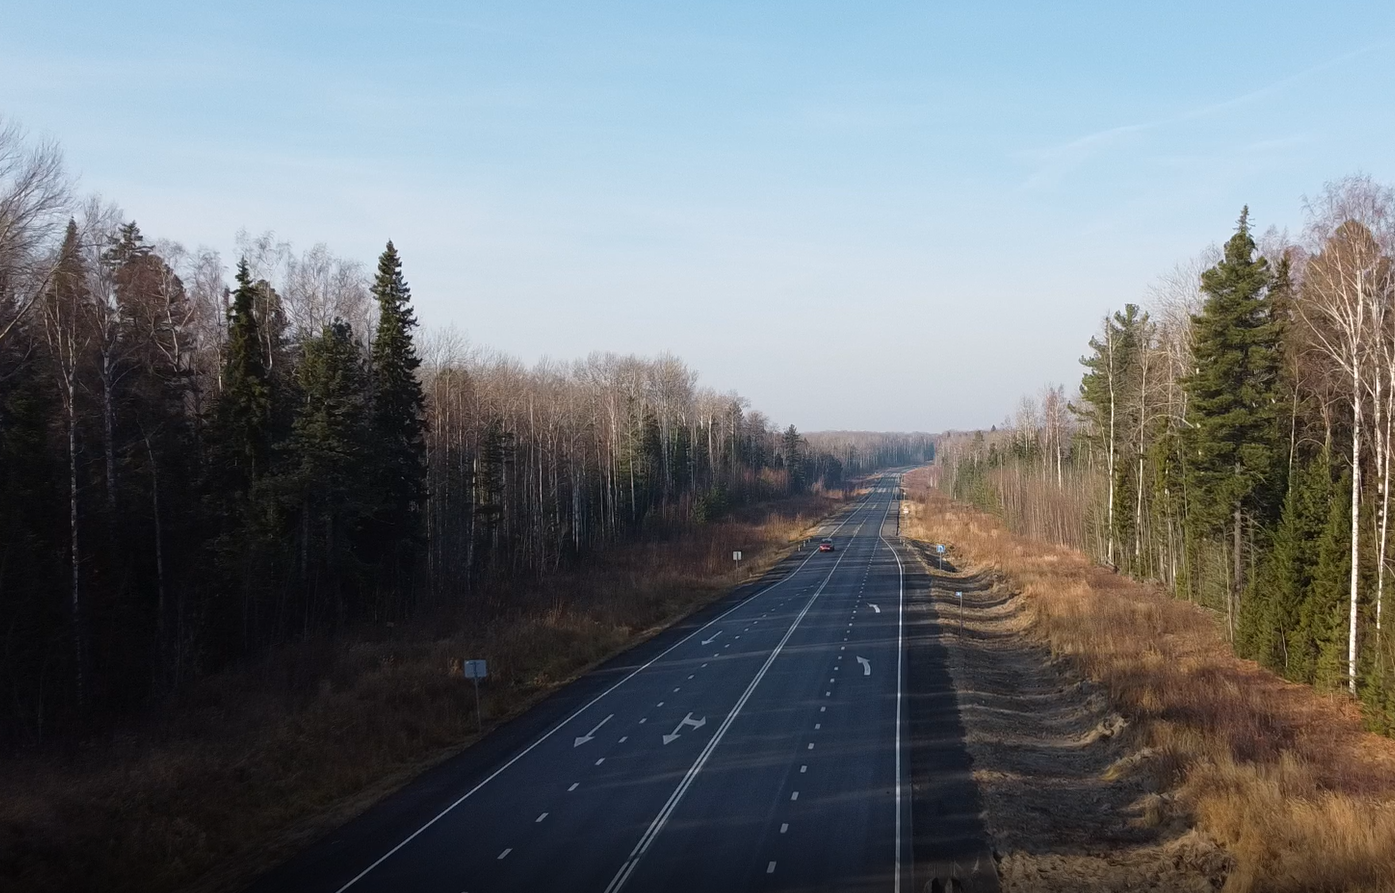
[[521, 754], [623, 875], [900, 652]]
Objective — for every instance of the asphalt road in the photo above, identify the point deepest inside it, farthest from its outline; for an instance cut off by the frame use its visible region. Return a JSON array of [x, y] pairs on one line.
[[762, 745]]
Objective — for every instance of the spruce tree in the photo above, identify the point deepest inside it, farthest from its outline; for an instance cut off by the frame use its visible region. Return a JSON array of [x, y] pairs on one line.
[[328, 446], [1324, 613], [244, 407], [1236, 458], [1271, 627], [398, 415]]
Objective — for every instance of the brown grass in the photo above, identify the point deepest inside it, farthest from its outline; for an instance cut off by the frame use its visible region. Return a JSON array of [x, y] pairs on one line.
[[1282, 776], [246, 767]]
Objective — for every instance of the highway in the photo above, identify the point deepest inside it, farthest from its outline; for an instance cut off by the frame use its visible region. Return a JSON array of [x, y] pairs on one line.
[[762, 745]]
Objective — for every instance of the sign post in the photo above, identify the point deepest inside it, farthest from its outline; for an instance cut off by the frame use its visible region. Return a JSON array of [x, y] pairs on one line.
[[475, 670], [736, 556], [940, 555]]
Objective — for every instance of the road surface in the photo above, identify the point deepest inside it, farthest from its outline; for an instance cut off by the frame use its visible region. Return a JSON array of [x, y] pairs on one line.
[[762, 745]]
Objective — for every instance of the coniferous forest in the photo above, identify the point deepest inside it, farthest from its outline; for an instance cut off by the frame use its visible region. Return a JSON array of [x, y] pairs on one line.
[[1231, 440], [194, 470]]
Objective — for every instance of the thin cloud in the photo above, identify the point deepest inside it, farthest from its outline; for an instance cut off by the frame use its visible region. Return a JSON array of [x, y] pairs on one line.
[[1055, 162]]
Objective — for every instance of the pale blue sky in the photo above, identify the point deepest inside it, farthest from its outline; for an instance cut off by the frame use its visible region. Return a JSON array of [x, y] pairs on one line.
[[860, 215]]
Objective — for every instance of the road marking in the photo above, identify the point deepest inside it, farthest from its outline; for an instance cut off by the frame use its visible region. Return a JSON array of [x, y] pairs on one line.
[[574, 786], [661, 703], [539, 818], [704, 665], [877, 609], [601, 760], [784, 826], [666, 812], [821, 710], [803, 769], [770, 869], [811, 745], [677, 689], [827, 693], [591, 703], [644, 720], [866, 666], [819, 725], [686, 721], [713, 639], [794, 796], [577, 742], [506, 852], [624, 738], [900, 636]]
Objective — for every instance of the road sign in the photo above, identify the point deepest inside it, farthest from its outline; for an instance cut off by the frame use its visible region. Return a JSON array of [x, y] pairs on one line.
[[940, 547], [736, 556], [475, 670]]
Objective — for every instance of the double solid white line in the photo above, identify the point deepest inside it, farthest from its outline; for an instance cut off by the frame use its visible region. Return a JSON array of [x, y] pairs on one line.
[[662, 818], [589, 704]]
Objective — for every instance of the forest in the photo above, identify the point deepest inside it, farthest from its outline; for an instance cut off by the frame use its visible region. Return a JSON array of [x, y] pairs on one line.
[[194, 470], [1230, 441]]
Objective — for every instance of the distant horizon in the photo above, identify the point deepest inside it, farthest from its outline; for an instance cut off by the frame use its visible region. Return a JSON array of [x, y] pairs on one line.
[[879, 220]]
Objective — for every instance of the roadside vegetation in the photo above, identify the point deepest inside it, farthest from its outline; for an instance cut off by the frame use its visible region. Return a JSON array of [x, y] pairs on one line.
[[1232, 441], [1279, 774], [239, 769], [250, 521]]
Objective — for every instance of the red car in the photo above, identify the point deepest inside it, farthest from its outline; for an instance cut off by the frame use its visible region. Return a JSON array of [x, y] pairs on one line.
[[826, 546]]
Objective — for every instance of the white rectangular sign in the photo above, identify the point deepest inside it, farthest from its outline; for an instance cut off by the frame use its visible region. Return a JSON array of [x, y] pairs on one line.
[[736, 556], [475, 669]]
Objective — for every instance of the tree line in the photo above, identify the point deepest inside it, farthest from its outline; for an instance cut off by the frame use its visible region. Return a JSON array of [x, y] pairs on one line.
[[194, 470], [1233, 443]]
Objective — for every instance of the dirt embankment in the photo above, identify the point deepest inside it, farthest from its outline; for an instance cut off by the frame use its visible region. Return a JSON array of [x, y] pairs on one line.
[[1119, 745]]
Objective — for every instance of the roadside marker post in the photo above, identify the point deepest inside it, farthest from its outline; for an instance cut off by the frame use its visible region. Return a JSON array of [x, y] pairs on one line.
[[475, 670], [736, 556], [940, 555]]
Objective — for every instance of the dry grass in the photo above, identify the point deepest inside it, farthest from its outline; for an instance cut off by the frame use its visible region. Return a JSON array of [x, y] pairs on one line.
[[1281, 775], [246, 767]]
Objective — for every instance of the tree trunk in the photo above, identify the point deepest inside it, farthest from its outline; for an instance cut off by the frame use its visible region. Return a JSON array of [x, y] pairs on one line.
[[1355, 530], [79, 633]]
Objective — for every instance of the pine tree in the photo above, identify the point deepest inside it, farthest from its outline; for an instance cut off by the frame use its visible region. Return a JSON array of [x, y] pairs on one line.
[[398, 418], [1237, 460]]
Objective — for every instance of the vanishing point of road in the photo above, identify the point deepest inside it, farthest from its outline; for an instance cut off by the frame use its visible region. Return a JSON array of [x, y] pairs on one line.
[[801, 734]]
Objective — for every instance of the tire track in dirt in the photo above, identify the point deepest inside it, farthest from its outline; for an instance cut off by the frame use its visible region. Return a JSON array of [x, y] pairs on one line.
[[1067, 798]]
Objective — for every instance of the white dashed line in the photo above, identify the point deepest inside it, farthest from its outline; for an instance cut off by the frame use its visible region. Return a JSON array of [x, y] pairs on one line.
[[624, 738], [574, 786], [802, 770], [506, 852], [539, 818], [784, 827], [770, 869], [601, 760], [794, 796]]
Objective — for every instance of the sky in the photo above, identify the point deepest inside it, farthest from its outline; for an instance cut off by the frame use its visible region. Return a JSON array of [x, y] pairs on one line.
[[881, 216]]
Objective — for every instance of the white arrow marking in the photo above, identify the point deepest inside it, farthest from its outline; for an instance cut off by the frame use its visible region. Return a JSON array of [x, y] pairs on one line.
[[687, 721], [866, 666], [577, 742], [877, 609], [713, 639]]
